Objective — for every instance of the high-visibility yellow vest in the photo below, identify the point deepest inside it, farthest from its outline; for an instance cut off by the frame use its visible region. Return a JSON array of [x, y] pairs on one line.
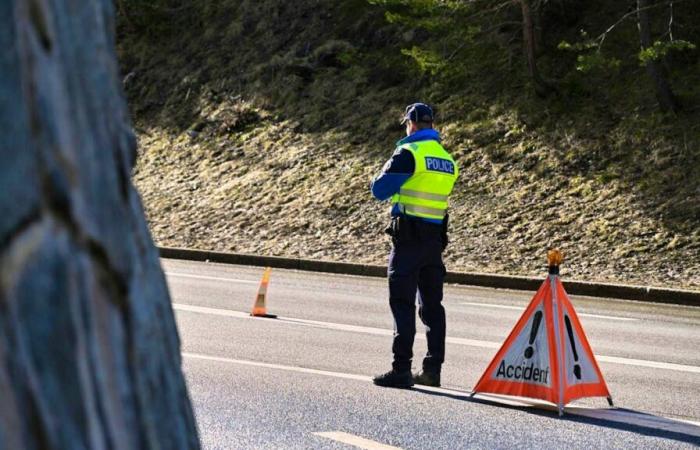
[[425, 193]]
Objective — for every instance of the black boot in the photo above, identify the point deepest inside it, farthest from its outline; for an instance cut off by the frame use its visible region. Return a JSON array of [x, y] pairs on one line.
[[395, 379], [427, 378]]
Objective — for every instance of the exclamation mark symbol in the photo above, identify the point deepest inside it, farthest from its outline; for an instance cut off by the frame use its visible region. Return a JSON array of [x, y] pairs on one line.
[[577, 368], [533, 334]]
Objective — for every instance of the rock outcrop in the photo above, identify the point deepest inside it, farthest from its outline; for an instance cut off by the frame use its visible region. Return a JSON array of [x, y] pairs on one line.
[[89, 350]]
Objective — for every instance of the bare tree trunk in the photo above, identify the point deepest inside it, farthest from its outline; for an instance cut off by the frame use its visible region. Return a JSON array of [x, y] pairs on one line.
[[542, 88], [536, 11], [89, 350], [664, 94]]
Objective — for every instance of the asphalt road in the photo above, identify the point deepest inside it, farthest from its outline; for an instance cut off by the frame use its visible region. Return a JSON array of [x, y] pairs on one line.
[[304, 380]]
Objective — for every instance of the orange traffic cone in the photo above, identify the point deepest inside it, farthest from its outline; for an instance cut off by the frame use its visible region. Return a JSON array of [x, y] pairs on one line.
[[259, 309]]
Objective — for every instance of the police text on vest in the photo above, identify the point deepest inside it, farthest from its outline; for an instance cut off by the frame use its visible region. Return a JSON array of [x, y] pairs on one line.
[[439, 165]]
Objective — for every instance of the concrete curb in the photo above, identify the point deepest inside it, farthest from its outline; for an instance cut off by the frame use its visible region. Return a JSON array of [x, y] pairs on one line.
[[620, 291]]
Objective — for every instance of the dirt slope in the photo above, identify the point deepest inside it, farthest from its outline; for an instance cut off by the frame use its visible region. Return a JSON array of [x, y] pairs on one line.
[[261, 135]]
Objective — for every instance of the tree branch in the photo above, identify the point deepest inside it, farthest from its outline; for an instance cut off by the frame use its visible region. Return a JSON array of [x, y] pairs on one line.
[[670, 21], [602, 36]]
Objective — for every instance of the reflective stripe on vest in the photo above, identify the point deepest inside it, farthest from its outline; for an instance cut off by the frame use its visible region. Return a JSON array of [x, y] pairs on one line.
[[415, 210], [425, 193]]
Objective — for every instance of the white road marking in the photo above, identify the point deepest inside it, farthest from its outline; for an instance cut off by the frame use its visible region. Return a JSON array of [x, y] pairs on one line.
[[357, 441], [651, 364], [382, 332], [640, 419], [206, 277], [449, 340], [522, 308], [688, 427], [212, 311], [326, 373], [482, 305], [326, 325]]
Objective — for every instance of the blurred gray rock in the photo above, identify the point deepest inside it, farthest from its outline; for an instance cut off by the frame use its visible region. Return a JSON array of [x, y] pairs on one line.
[[89, 350]]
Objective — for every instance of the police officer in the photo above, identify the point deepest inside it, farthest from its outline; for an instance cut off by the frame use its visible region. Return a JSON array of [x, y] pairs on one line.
[[418, 179]]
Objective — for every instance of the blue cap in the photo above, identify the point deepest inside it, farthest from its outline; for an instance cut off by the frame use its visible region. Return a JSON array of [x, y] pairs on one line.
[[418, 112]]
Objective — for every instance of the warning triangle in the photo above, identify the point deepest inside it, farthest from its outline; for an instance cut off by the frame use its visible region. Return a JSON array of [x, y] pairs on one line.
[[547, 337], [582, 376]]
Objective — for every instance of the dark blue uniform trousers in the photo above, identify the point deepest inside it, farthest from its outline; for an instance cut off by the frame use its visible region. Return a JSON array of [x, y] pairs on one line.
[[415, 264]]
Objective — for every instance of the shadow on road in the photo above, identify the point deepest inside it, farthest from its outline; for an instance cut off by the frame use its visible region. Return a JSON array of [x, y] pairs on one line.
[[614, 418]]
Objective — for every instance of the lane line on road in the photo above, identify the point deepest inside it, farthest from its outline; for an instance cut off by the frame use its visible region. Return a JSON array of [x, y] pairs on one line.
[[326, 373], [357, 441], [522, 308], [326, 325], [383, 332], [650, 364], [207, 277], [449, 340], [482, 305], [640, 419], [212, 311], [688, 427]]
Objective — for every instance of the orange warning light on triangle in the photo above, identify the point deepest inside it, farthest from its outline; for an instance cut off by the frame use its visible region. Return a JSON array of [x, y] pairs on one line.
[[259, 307], [547, 355]]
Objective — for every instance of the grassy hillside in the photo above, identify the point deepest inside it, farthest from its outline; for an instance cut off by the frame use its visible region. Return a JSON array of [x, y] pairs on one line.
[[261, 124]]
